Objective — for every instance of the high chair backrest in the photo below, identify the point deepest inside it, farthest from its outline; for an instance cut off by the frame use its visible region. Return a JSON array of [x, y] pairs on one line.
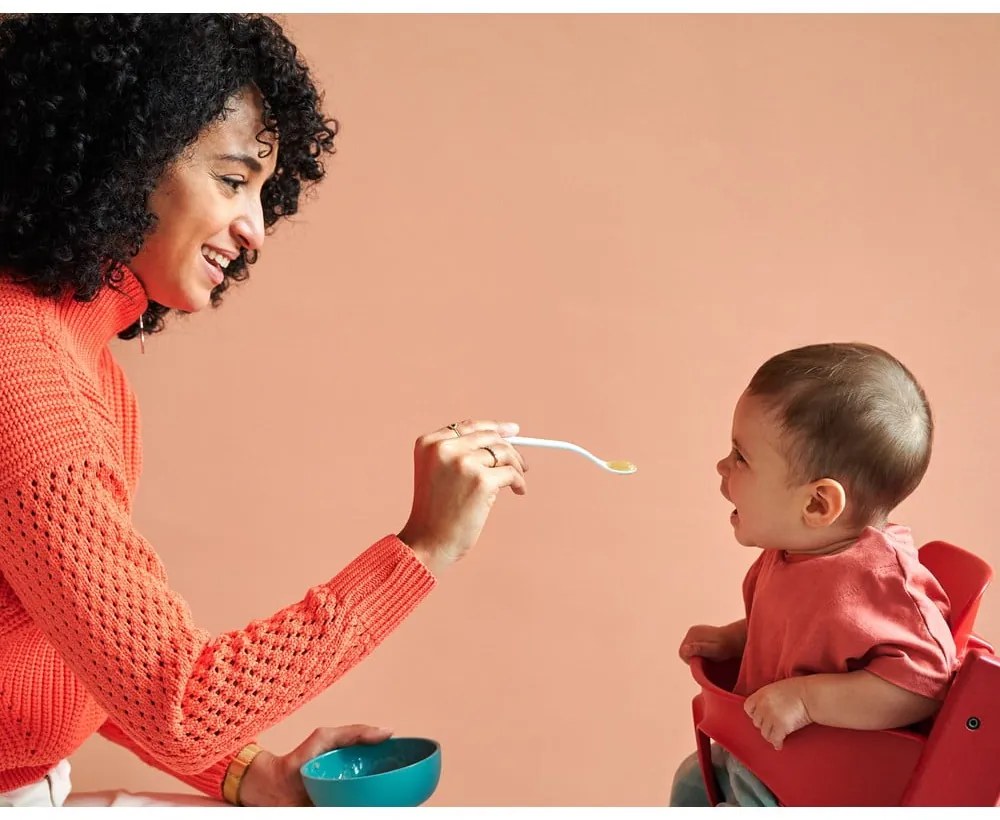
[[964, 577]]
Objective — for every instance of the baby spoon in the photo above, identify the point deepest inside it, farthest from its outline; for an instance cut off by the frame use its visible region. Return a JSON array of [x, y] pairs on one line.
[[619, 467]]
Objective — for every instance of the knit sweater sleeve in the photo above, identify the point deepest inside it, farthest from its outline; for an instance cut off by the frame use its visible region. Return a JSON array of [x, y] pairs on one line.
[[208, 781], [100, 594]]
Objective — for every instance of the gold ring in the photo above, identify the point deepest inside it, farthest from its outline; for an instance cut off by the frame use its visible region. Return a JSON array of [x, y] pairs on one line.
[[495, 459], [454, 429]]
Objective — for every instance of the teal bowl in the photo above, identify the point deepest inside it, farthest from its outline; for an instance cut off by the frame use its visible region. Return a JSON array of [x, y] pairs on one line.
[[400, 771]]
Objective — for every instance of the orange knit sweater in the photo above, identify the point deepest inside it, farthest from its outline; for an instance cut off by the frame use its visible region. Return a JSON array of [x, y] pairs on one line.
[[92, 638]]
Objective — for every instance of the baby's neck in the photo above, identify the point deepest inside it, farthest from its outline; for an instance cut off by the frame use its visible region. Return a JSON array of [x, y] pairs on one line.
[[826, 549], [843, 540]]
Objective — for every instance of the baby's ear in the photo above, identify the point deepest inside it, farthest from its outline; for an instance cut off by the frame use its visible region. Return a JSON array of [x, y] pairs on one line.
[[827, 501]]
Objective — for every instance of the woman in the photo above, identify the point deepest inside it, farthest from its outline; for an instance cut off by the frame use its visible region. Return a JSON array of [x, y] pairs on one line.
[[145, 159]]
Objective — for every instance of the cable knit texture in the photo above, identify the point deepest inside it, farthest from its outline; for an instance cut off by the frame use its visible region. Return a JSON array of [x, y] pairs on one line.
[[92, 638]]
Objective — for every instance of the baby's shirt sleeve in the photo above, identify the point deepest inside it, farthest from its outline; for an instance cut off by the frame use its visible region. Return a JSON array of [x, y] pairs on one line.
[[897, 630]]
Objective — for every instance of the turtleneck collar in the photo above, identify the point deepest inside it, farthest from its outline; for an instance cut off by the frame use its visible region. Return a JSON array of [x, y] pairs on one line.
[[117, 306]]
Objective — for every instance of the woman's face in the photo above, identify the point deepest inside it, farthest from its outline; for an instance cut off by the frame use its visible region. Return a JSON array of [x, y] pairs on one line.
[[208, 208]]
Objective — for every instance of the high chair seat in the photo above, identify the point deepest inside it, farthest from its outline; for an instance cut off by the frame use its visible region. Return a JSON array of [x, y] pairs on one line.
[[953, 764]]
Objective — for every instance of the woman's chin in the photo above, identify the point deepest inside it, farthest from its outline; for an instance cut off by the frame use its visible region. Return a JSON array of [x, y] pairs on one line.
[[191, 301]]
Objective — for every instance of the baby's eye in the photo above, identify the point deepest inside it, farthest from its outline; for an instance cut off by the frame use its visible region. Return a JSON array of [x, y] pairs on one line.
[[738, 457]]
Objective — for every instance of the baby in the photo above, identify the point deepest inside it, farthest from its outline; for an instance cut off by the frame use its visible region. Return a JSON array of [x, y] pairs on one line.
[[844, 626]]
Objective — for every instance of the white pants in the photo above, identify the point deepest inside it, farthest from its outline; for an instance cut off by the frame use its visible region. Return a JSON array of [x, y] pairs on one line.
[[51, 790], [54, 790]]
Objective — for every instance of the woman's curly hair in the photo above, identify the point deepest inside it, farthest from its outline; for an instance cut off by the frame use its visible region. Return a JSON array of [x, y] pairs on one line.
[[93, 110]]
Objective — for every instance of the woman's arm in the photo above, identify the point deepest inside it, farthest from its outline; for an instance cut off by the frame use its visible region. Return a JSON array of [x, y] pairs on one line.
[[208, 781], [99, 593]]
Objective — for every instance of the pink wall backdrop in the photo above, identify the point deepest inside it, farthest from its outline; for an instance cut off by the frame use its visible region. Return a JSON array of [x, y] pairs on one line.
[[597, 226]]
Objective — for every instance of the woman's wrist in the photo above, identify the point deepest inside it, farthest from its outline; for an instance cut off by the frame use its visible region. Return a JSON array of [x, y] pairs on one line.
[[430, 558], [246, 778]]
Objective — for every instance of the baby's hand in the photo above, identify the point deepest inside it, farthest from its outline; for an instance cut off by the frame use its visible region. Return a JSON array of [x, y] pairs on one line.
[[778, 709], [712, 642]]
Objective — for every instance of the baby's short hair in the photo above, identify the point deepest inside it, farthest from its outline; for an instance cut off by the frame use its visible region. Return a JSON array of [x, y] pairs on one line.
[[853, 413]]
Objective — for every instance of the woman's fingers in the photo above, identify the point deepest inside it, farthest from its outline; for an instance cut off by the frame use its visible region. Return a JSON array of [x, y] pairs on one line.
[[510, 477], [467, 426], [487, 441]]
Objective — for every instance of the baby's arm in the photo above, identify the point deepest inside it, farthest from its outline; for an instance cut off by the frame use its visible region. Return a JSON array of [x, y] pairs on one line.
[[849, 700], [862, 700]]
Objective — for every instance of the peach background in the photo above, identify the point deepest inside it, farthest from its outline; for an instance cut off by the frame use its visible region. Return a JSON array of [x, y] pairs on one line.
[[597, 226]]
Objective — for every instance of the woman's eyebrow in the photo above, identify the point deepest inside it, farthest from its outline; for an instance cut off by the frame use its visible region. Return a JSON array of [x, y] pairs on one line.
[[248, 160]]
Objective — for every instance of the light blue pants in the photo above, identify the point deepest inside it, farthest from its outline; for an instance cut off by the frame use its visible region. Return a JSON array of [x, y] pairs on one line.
[[737, 783]]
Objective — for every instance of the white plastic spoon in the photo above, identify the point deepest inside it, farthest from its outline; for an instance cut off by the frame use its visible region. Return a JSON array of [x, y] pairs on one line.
[[618, 467]]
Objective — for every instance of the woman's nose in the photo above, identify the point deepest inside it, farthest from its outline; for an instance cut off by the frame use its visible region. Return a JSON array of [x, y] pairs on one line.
[[249, 229]]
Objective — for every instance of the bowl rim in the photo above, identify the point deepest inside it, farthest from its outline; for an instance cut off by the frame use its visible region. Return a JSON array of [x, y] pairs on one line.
[[436, 750]]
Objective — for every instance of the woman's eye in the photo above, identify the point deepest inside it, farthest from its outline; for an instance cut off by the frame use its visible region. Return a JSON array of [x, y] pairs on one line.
[[232, 182]]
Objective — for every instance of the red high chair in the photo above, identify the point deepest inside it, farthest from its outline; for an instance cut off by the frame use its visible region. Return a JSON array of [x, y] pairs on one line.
[[956, 763]]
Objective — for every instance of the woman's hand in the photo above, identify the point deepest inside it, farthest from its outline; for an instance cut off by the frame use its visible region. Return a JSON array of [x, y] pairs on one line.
[[458, 472], [274, 780]]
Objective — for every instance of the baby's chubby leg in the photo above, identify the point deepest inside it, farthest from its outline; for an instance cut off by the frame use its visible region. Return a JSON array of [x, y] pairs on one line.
[[747, 789]]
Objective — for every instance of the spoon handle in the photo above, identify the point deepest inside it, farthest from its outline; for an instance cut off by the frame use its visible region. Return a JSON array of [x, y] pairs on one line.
[[555, 444]]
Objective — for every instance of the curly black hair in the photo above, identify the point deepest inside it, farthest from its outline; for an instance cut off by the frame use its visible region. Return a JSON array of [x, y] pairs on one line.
[[93, 110]]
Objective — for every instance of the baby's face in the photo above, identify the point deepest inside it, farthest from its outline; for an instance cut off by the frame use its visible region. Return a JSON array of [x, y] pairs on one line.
[[768, 506]]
